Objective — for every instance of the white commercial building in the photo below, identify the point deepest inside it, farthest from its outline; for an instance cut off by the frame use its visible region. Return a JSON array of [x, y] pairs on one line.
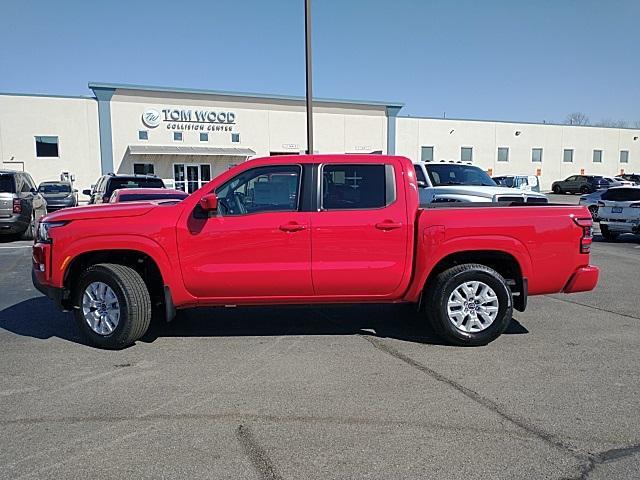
[[188, 136]]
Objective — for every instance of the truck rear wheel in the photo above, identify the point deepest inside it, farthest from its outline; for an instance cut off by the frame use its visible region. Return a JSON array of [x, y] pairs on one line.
[[469, 304], [113, 305]]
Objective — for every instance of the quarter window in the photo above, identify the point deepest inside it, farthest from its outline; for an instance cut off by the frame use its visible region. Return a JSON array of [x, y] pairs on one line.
[[47, 147], [503, 154], [624, 156], [536, 155], [262, 189], [567, 156], [597, 156], [466, 154], [426, 154], [357, 186]]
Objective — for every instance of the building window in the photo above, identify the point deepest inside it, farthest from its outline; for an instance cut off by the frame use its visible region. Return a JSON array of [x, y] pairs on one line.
[[143, 168], [624, 156], [503, 154], [567, 156], [177, 136], [426, 154], [204, 137], [466, 154], [47, 147], [143, 135], [536, 155], [597, 156], [235, 137]]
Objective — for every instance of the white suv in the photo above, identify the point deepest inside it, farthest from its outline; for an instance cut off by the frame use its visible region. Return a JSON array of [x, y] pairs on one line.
[[462, 182], [619, 212]]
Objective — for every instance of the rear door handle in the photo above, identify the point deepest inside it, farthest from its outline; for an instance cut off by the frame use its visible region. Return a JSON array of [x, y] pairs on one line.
[[388, 225], [292, 227]]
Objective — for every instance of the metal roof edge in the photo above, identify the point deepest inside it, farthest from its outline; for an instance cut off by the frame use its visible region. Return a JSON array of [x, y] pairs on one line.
[[267, 96], [16, 94]]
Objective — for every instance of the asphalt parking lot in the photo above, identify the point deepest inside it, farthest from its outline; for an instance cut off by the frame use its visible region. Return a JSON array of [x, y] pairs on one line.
[[348, 392]]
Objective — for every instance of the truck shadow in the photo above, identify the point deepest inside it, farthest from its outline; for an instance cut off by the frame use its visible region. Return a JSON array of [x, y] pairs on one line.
[[37, 318]]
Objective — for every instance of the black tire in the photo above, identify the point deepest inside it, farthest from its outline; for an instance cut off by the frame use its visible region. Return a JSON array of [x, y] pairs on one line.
[[556, 189], [30, 231], [607, 234], [593, 210], [133, 298], [441, 288], [585, 189]]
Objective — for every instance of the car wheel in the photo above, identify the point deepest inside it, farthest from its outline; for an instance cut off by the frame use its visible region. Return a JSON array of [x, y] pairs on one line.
[[593, 210], [584, 189], [607, 234], [556, 189], [113, 305], [30, 231], [469, 304]]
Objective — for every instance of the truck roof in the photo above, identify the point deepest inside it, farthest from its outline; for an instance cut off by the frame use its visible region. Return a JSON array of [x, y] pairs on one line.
[[329, 158]]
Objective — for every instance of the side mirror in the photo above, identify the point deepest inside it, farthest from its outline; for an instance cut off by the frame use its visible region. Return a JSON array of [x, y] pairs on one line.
[[33, 191], [209, 203], [86, 192]]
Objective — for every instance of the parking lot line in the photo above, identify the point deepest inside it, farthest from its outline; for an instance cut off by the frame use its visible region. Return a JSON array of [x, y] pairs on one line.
[[16, 246]]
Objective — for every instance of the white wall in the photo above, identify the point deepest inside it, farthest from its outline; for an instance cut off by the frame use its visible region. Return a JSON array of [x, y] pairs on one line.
[[448, 136], [73, 120]]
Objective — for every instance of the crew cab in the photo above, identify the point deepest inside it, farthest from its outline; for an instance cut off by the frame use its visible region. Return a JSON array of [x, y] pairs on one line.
[[310, 229]]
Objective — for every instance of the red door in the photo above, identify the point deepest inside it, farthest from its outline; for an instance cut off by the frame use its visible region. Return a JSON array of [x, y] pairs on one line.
[[258, 244], [360, 235]]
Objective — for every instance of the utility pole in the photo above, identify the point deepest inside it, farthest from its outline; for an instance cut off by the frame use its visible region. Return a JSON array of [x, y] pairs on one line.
[[307, 42]]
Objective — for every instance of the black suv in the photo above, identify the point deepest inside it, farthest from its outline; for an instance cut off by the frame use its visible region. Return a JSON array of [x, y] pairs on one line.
[[20, 204], [632, 177], [580, 184], [106, 184]]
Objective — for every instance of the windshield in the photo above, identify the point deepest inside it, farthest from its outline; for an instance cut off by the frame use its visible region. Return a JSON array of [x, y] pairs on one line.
[[7, 185], [54, 188], [133, 197], [453, 174], [117, 183]]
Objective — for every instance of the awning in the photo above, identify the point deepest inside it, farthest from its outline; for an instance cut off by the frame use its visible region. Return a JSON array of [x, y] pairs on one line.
[[187, 150]]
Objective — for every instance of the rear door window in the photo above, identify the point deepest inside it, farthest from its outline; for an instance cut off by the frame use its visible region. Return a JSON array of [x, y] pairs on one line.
[[117, 183], [622, 195], [357, 186]]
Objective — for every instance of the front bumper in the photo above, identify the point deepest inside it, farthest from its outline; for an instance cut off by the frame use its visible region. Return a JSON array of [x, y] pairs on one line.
[[14, 224], [54, 293], [583, 279]]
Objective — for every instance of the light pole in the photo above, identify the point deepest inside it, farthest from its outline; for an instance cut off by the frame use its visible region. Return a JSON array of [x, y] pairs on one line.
[[307, 43]]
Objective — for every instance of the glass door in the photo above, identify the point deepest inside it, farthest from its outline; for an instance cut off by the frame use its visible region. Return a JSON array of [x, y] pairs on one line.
[[190, 177], [193, 178]]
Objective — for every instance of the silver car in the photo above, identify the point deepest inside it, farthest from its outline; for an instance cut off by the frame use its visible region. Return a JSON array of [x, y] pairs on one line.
[[21, 206], [590, 200]]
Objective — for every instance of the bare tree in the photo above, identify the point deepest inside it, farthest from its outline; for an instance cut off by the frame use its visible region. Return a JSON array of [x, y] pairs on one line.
[[577, 118], [607, 122]]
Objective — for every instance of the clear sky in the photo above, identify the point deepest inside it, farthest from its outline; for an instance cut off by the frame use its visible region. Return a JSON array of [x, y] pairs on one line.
[[523, 60]]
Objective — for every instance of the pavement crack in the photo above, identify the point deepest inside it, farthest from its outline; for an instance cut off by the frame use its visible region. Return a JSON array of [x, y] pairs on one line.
[[605, 457], [256, 454], [533, 430], [592, 307]]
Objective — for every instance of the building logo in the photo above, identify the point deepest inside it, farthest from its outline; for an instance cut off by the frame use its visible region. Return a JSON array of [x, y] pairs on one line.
[[151, 118]]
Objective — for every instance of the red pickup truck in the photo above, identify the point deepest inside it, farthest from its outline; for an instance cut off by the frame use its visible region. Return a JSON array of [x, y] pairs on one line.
[[310, 229]]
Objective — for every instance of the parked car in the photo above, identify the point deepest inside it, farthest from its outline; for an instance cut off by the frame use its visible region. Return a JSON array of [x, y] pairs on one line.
[[580, 184], [451, 182], [632, 177], [145, 194], [357, 234], [623, 182], [590, 200], [106, 184], [619, 212], [21, 206], [523, 182], [58, 195]]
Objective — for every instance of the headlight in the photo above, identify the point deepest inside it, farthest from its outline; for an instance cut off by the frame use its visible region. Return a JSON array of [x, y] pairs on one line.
[[42, 234]]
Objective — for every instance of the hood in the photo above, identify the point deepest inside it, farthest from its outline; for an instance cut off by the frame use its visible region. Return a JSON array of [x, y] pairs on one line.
[[482, 191], [104, 210]]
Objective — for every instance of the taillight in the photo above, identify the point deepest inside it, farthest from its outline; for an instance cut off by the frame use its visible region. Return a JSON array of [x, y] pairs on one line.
[[586, 224], [17, 206]]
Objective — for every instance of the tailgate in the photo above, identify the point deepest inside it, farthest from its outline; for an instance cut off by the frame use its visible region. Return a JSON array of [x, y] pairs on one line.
[[6, 204], [622, 212]]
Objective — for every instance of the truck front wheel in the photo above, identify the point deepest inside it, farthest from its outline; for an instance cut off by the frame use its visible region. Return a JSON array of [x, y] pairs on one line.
[[113, 306], [469, 304]]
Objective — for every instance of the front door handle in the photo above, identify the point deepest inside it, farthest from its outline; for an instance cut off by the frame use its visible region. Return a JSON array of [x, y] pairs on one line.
[[388, 225], [292, 227]]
